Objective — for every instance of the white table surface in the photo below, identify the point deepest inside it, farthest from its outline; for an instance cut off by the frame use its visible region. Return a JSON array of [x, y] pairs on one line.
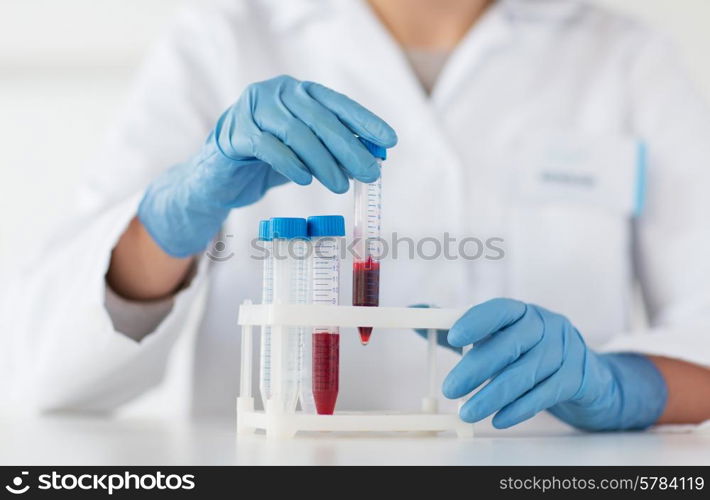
[[72, 440]]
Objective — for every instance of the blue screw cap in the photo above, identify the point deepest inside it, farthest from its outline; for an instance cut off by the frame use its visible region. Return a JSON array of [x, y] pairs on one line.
[[265, 230], [288, 228], [326, 225], [374, 149]]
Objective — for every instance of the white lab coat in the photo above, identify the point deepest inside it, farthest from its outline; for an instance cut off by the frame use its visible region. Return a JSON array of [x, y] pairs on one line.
[[531, 134]]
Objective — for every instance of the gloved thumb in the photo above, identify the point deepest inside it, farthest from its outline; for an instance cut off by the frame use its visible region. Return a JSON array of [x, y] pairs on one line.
[[441, 335]]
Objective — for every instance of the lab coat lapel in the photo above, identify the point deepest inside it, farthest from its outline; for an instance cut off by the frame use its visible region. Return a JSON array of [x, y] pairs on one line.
[[351, 40], [425, 159], [492, 32], [362, 43], [495, 31], [394, 91]]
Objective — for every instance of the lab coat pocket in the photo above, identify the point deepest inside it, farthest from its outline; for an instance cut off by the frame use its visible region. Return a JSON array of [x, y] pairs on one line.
[[569, 245], [606, 172]]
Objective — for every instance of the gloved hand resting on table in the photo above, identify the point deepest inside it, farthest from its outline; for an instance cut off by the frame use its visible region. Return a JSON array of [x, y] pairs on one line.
[[279, 130], [537, 360]]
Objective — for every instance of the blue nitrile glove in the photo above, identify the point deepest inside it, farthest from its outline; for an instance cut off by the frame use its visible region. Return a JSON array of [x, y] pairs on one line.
[[279, 130], [441, 335], [537, 360]]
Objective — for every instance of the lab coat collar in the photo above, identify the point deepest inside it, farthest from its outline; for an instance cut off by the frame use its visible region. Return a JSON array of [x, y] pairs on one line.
[[494, 30], [285, 15], [541, 10], [372, 46], [497, 29]]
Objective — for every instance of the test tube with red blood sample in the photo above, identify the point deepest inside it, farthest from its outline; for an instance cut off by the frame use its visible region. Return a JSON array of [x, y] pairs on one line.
[[366, 265], [325, 233]]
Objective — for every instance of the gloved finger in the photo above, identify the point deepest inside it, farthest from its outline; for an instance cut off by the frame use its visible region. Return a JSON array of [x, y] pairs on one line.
[[493, 355], [440, 338], [240, 134], [440, 334], [546, 394], [512, 383], [273, 179], [485, 319], [269, 149], [340, 141], [279, 121], [359, 119]]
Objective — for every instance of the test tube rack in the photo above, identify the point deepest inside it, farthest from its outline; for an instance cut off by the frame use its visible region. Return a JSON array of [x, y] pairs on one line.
[[286, 425]]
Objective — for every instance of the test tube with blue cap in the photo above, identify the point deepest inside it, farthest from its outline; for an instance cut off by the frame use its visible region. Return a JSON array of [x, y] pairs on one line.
[[322, 360], [290, 286], [366, 234], [267, 295]]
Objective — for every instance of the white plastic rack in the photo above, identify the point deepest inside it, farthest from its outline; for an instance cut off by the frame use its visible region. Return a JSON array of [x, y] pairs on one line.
[[286, 425]]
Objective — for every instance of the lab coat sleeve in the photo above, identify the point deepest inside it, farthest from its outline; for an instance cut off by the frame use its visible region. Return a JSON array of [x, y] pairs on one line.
[[67, 352], [72, 357], [672, 236], [136, 319]]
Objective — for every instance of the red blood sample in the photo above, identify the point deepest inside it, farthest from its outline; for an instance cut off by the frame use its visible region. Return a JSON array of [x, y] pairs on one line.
[[366, 290], [326, 368]]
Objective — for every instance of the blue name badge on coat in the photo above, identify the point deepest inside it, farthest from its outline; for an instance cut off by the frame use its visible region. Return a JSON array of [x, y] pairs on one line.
[[607, 171]]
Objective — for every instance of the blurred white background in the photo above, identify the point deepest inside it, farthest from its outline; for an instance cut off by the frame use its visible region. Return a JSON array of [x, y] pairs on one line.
[[65, 67]]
